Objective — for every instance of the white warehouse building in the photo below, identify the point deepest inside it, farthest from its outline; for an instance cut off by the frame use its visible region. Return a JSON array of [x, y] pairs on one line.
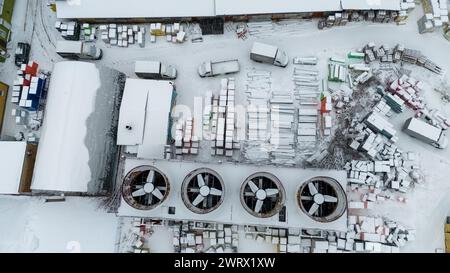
[[77, 150]]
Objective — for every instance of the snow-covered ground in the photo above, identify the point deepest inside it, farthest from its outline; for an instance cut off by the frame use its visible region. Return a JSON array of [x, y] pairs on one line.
[[27, 224]]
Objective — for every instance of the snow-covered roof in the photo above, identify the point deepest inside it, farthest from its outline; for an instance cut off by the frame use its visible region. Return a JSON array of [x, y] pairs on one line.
[[237, 7], [145, 110], [204, 8], [133, 8], [12, 155], [370, 4], [74, 145]]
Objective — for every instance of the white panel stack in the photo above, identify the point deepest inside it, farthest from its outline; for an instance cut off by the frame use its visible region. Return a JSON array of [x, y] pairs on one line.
[[307, 124], [307, 84], [222, 123], [185, 141], [282, 128], [258, 92]]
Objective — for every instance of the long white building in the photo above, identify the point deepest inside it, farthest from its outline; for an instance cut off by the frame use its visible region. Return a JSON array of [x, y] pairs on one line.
[[147, 9]]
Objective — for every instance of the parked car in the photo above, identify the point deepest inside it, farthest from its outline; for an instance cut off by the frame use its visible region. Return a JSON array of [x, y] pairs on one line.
[[211, 69], [154, 70], [22, 54]]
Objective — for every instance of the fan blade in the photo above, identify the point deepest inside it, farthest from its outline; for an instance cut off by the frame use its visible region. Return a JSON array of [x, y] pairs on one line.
[[150, 176], [214, 191], [149, 199], [313, 209], [198, 199], [258, 206], [253, 186], [139, 192], [271, 192], [260, 182], [330, 199], [157, 194], [312, 189], [200, 180], [249, 193], [306, 197]]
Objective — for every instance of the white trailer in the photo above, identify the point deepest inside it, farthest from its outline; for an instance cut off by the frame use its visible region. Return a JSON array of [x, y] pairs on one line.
[[76, 50], [211, 69], [154, 70], [425, 132], [265, 53]]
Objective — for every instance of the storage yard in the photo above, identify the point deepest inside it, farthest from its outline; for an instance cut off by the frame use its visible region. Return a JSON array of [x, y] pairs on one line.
[[279, 128]]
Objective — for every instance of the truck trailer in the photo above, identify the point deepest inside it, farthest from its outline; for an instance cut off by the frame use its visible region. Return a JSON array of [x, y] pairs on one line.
[[265, 53], [154, 70], [211, 69], [425, 132], [76, 50]]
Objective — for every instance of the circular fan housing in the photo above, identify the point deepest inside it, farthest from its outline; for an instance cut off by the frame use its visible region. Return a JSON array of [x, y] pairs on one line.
[[203, 191], [145, 187], [324, 201], [262, 195]]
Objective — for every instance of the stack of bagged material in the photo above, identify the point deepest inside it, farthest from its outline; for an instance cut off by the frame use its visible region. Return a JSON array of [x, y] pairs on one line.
[[436, 15], [407, 89], [387, 54], [69, 30], [376, 234], [383, 53], [88, 32], [122, 35], [377, 16], [173, 32], [186, 142], [367, 141], [392, 174], [364, 234], [435, 118]]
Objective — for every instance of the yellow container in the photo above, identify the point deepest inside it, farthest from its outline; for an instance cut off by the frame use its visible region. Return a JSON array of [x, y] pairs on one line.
[[447, 228]]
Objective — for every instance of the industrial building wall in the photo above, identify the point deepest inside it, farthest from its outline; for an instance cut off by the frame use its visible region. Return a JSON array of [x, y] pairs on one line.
[[102, 130], [5, 18], [28, 168]]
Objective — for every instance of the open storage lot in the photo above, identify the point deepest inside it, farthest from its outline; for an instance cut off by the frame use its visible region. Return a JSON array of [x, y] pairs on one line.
[[427, 204]]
